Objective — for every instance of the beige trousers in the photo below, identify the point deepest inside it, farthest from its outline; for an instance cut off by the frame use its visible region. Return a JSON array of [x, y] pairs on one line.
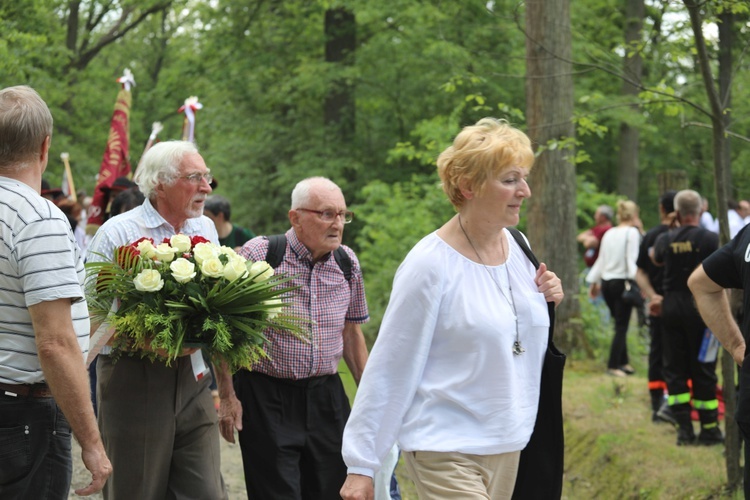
[[159, 428], [452, 475]]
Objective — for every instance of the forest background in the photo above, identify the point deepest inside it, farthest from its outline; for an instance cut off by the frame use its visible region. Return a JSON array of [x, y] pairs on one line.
[[369, 93], [638, 96]]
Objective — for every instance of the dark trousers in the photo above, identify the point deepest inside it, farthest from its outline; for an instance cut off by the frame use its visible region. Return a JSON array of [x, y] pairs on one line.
[[620, 311], [683, 334], [656, 351], [92, 382], [291, 436], [35, 456]]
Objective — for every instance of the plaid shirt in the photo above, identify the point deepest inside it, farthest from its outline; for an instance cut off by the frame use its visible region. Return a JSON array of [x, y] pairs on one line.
[[325, 297]]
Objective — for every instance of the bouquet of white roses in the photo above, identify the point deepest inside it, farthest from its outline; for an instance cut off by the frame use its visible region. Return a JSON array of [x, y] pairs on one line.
[[188, 292]]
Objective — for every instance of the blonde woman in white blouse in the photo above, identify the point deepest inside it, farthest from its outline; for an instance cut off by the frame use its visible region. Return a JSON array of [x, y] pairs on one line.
[[454, 374]]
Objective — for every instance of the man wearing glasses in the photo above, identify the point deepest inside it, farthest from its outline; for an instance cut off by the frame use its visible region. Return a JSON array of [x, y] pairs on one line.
[[294, 404], [158, 422]]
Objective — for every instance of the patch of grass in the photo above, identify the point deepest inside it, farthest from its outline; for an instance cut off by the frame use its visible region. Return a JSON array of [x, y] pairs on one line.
[[613, 450]]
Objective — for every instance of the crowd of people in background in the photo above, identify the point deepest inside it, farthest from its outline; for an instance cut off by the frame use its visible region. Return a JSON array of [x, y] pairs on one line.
[[453, 380], [682, 380]]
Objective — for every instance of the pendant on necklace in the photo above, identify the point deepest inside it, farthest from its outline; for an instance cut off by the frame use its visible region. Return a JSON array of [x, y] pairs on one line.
[[518, 348]]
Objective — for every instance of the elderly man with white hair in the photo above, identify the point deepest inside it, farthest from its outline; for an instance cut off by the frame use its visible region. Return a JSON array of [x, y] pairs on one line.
[[158, 422]]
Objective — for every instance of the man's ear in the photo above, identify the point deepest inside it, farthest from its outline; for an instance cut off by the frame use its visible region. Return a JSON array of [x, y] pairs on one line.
[[44, 152], [159, 189], [294, 218]]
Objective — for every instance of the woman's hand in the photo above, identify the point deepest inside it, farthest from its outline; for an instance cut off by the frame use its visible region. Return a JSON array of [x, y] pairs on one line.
[[549, 284], [357, 487], [594, 290]]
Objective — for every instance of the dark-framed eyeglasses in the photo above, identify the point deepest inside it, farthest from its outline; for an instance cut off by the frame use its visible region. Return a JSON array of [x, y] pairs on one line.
[[330, 215], [197, 177]]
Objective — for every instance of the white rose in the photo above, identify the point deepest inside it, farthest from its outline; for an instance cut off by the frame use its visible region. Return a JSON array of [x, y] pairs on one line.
[[212, 267], [274, 311], [164, 252], [148, 280], [146, 248], [229, 252], [182, 270], [260, 270], [181, 242], [205, 251], [235, 268]]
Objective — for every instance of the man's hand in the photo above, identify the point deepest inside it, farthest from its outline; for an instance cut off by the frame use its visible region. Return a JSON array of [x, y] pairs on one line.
[[357, 487], [98, 464], [654, 305], [230, 416]]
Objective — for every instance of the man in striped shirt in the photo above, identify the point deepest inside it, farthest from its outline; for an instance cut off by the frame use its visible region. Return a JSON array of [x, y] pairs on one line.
[[44, 324], [294, 404]]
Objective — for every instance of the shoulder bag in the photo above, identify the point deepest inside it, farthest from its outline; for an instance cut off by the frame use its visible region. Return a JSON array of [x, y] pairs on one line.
[[540, 470], [632, 293]]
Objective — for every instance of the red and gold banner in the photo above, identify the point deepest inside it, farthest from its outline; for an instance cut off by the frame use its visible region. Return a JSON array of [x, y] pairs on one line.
[[116, 160]]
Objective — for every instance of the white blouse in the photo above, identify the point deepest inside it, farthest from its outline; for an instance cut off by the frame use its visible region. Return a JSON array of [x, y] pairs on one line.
[[618, 253], [442, 375]]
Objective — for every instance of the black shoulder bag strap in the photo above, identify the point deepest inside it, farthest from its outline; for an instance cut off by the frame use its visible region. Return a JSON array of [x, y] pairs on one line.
[[540, 469], [530, 255], [277, 249]]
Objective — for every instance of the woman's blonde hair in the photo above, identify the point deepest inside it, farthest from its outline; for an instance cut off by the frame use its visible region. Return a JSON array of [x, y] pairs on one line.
[[626, 210], [479, 153]]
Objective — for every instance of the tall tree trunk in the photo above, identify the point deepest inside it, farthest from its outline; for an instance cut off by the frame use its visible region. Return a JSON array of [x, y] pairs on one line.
[[627, 175], [340, 31], [733, 440], [549, 112], [726, 40], [718, 104]]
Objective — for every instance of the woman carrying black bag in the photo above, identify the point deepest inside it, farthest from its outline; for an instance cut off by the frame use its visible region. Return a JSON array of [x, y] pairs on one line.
[[455, 374], [612, 274]]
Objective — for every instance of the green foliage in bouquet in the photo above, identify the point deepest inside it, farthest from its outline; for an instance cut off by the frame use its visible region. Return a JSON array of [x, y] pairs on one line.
[[189, 293]]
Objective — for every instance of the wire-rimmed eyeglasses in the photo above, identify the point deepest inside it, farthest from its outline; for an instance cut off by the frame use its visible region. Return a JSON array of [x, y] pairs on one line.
[[330, 215], [197, 177]]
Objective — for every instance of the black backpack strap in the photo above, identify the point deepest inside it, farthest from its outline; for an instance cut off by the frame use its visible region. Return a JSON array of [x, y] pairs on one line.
[[344, 262], [276, 249]]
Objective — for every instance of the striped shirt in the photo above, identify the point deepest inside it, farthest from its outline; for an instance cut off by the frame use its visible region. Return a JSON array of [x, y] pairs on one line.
[[39, 262], [325, 297], [142, 221]]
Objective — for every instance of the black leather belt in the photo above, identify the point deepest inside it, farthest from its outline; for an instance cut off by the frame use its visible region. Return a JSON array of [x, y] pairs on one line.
[[26, 390]]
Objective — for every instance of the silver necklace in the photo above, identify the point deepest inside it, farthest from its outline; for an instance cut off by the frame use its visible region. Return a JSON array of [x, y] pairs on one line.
[[517, 347]]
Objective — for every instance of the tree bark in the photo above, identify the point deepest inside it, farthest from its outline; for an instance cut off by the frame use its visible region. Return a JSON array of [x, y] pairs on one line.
[[340, 31], [627, 176], [549, 112], [721, 167], [726, 39]]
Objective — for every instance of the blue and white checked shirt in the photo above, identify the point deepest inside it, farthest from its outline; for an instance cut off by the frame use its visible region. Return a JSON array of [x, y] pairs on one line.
[[143, 221]]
